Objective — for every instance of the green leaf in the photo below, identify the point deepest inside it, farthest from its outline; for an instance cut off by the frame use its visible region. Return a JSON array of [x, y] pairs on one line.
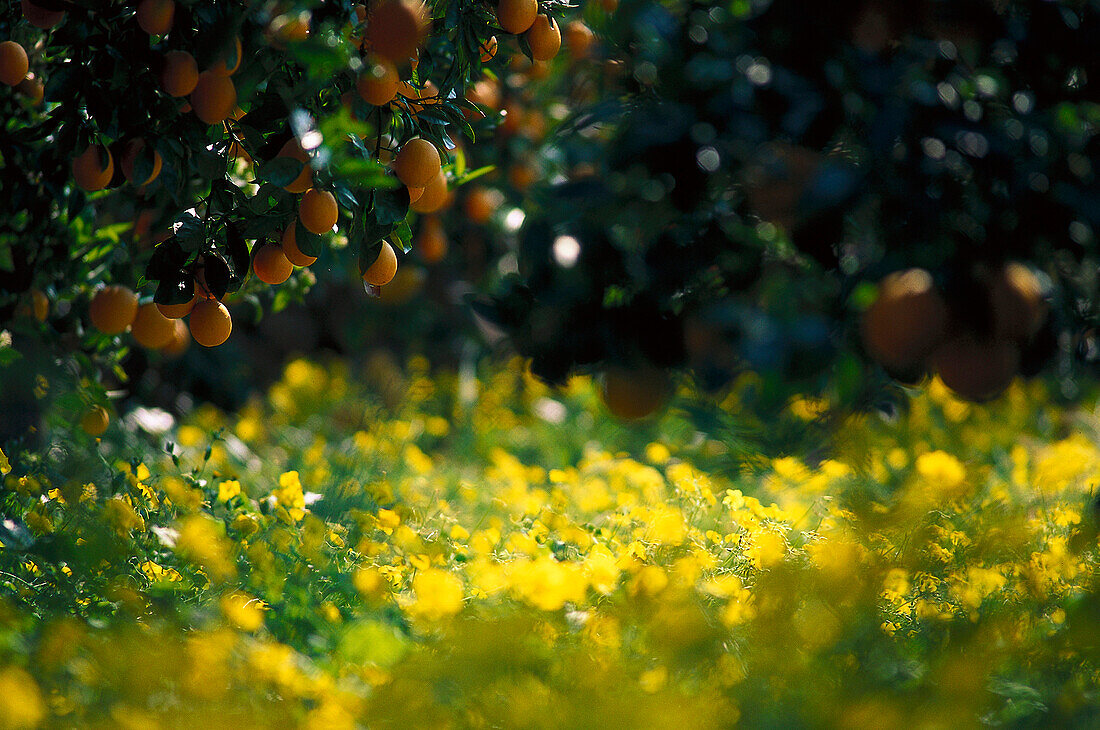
[[280, 171], [308, 242], [8, 355], [190, 231], [391, 206]]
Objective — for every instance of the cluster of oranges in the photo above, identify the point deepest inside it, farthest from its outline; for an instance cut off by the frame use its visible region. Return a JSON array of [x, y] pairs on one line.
[[972, 341]]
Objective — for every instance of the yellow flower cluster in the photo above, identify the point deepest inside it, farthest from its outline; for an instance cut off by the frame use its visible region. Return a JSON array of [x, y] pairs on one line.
[[462, 561]]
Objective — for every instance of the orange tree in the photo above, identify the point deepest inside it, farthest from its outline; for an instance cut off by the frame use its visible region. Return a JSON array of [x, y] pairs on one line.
[[752, 170], [159, 157]]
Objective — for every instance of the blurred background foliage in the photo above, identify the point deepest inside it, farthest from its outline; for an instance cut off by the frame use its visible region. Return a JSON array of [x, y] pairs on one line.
[[708, 188]]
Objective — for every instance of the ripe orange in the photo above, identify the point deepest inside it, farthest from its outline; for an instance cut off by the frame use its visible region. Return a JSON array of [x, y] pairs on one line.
[[181, 338], [270, 265], [431, 244], [180, 74], [35, 305], [40, 17], [522, 175], [396, 28], [152, 329], [129, 157], [578, 39], [384, 267], [481, 203], [178, 311], [378, 82], [485, 92], [417, 162], [976, 369], [1016, 297], [318, 211], [544, 38], [414, 194], [289, 28], [291, 250], [214, 97], [406, 284], [32, 88], [94, 422], [634, 393], [417, 98], [210, 323], [434, 197], [113, 309], [155, 16], [40, 305], [516, 16], [489, 49], [906, 321], [304, 181], [14, 63], [88, 170], [222, 67]]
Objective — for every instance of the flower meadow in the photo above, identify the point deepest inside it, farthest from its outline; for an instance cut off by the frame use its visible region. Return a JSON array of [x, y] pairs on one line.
[[397, 547]]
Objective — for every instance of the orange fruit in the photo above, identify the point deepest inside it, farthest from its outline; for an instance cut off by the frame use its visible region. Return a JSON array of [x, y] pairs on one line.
[[222, 67], [32, 88], [291, 250], [485, 92], [522, 175], [578, 39], [304, 181], [906, 321], [406, 284], [40, 17], [384, 267], [533, 125], [481, 203], [180, 74], [14, 63], [516, 16], [1016, 297], [113, 309], [378, 82], [214, 97], [40, 305], [396, 28], [95, 420], [210, 323], [434, 197], [155, 16], [489, 49], [318, 211], [635, 392], [178, 311], [289, 28], [414, 194], [88, 170], [431, 244], [271, 265], [429, 94], [544, 38], [152, 329], [129, 157], [417, 162], [538, 70], [976, 369], [181, 338]]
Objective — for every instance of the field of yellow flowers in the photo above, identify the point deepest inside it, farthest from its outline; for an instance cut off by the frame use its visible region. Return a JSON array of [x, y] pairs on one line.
[[392, 548]]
